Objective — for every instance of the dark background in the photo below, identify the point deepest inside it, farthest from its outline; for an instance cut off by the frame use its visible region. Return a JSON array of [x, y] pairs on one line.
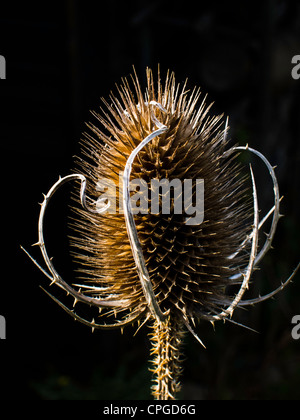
[[61, 59]]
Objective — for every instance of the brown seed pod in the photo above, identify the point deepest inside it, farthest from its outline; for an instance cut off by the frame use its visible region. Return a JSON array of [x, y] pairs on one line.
[[187, 264], [147, 262]]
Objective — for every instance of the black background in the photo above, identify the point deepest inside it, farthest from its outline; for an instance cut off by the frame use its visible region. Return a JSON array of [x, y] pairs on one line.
[[61, 58]]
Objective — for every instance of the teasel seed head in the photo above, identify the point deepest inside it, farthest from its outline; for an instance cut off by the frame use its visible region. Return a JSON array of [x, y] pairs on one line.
[[159, 266], [188, 264]]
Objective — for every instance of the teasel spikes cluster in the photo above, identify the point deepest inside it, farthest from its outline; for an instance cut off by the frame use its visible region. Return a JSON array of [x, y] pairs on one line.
[[156, 268]]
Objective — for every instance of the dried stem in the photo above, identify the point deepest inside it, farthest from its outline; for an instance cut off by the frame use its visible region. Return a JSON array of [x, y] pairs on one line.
[[166, 340]]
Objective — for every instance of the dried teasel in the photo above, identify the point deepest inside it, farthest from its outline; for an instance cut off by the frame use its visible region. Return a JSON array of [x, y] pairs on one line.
[[156, 266]]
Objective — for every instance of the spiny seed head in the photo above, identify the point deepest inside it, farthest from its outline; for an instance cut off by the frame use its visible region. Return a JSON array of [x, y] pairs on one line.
[[188, 265]]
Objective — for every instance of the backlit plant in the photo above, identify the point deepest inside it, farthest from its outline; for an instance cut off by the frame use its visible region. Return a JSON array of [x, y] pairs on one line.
[[156, 268]]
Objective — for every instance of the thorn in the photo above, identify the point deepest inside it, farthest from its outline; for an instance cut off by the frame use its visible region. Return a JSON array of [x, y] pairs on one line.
[[193, 321], [93, 323], [194, 334], [53, 281], [45, 199], [75, 301], [36, 244]]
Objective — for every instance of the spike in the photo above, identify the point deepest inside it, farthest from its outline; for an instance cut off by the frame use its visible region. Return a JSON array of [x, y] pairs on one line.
[[93, 323], [38, 243], [54, 280], [187, 324], [193, 321]]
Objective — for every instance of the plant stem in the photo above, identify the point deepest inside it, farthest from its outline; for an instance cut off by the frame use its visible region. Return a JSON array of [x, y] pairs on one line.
[[166, 340]]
